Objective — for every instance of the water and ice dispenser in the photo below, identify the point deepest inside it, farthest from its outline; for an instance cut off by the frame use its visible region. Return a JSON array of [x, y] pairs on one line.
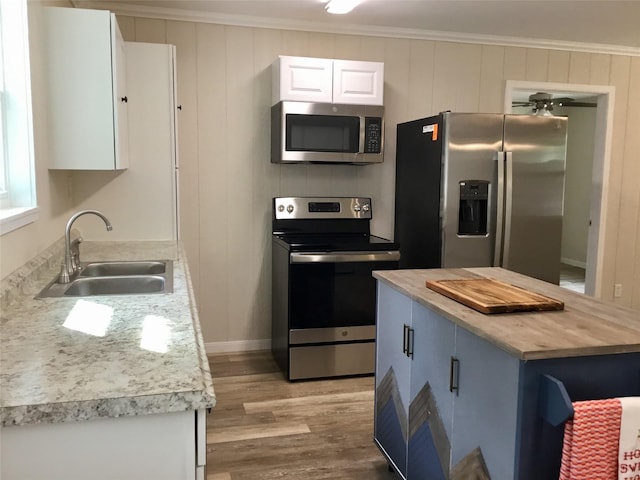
[[472, 216]]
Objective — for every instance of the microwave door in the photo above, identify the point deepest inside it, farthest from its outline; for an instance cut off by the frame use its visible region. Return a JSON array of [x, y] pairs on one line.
[[324, 133]]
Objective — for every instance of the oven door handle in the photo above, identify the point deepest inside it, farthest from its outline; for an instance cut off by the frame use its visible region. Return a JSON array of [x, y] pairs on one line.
[[344, 257]]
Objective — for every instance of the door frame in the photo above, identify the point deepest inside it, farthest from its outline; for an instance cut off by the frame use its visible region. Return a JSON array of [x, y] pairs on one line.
[[605, 95]]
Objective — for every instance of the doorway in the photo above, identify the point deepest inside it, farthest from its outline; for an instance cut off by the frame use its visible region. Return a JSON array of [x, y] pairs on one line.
[[598, 161]]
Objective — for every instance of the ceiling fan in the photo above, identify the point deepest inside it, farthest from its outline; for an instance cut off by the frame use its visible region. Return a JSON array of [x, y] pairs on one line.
[[544, 102]]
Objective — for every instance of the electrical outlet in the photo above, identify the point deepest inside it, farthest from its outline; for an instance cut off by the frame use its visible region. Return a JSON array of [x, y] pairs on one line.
[[617, 290]]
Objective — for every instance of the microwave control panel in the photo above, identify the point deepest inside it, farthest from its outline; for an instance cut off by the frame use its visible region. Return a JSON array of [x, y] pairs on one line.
[[372, 134]]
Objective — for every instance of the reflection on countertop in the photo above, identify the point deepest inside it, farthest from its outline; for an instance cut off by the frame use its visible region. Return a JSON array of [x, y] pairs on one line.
[[65, 359]]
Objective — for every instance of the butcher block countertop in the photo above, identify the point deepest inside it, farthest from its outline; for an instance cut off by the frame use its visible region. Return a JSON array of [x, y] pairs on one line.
[[585, 326], [72, 359]]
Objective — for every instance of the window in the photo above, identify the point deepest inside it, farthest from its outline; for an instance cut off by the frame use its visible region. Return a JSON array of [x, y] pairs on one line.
[[17, 176]]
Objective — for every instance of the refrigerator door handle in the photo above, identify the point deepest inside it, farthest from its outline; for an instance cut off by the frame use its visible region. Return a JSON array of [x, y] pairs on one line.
[[508, 207], [497, 256]]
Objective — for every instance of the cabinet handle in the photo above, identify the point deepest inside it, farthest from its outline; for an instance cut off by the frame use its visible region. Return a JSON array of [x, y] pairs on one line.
[[405, 337], [454, 375], [124, 99], [410, 336]]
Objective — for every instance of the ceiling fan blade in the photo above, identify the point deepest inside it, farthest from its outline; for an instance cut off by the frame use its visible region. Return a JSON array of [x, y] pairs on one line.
[[562, 100], [570, 102], [579, 104], [522, 104]]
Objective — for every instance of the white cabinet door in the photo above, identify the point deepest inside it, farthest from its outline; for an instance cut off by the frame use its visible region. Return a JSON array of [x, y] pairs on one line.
[[120, 100], [148, 188], [154, 446], [87, 129], [360, 83], [302, 79]]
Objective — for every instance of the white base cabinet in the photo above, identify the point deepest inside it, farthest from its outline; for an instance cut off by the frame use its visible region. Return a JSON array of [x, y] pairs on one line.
[[166, 446], [87, 96]]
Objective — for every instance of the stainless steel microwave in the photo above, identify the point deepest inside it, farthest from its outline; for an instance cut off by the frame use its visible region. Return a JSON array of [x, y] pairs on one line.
[[304, 132]]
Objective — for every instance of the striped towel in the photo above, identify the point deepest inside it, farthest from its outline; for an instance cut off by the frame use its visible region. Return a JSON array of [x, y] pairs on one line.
[[629, 450], [590, 449]]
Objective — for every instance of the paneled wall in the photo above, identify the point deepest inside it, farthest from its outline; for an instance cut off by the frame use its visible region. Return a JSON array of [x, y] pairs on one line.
[[227, 182], [52, 187]]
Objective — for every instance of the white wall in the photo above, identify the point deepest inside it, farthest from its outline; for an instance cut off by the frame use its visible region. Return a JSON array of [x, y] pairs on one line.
[[53, 189], [224, 85], [575, 225], [227, 181], [139, 201]]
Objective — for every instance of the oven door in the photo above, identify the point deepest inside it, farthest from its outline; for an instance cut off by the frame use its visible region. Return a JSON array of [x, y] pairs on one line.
[[335, 290]]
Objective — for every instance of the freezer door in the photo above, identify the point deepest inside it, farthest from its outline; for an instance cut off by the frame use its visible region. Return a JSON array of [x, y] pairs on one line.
[[472, 142], [535, 151]]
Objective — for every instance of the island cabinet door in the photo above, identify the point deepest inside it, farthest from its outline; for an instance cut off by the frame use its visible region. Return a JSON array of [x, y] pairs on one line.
[[431, 402], [393, 371], [485, 410]]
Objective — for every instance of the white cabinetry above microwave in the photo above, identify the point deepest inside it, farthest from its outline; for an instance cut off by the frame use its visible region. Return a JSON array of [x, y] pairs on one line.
[[86, 77], [324, 80]]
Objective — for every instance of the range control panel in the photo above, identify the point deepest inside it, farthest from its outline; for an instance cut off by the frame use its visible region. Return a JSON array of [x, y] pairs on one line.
[[318, 207]]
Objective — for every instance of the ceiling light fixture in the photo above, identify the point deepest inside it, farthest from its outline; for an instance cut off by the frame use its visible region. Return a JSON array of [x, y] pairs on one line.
[[341, 6]]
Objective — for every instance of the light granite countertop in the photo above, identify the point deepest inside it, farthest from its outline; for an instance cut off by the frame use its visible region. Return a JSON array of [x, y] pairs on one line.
[[68, 359], [586, 326]]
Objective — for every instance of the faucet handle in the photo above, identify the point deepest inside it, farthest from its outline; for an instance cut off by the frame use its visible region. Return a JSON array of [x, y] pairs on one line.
[[75, 261], [75, 254]]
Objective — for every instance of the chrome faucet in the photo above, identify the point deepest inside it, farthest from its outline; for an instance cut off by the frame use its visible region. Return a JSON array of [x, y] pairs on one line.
[[70, 264]]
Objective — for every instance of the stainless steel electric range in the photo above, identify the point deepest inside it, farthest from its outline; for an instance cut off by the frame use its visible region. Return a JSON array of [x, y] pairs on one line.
[[324, 296]]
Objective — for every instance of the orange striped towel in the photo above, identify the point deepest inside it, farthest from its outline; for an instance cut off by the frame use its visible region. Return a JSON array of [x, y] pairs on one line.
[[629, 448], [590, 448]]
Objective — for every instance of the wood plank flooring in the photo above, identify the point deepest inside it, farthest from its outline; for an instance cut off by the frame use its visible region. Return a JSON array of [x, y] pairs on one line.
[[264, 427]]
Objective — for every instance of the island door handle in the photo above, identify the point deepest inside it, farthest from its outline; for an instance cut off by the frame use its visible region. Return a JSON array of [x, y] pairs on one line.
[[454, 375], [405, 338], [410, 337]]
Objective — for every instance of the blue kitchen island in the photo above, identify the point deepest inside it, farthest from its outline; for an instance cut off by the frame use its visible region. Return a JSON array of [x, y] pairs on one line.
[[466, 395]]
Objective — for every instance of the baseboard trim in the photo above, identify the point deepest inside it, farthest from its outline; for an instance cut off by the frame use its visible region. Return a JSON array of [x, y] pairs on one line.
[[574, 263], [238, 346]]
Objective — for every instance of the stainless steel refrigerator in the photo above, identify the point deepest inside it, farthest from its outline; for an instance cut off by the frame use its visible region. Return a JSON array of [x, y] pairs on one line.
[[475, 189]]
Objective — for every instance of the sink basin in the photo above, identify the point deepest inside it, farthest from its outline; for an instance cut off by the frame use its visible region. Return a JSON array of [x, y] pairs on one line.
[[115, 278], [107, 269], [115, 285]]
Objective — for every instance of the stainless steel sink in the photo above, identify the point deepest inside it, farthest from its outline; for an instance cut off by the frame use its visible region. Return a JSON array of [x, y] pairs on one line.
[[115, 285], [115, 278], [107, 269]]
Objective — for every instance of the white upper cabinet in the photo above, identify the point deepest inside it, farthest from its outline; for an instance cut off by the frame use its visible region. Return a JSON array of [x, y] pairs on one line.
[[324, 80], [86, 78], [302, 79], [360, 83]]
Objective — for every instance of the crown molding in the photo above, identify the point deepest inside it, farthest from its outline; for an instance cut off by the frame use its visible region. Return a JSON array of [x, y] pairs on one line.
[[364, 30]]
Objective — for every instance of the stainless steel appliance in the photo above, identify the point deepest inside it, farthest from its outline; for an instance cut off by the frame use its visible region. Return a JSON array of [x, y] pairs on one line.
[[478, 189], [303, 132], [324, 296]]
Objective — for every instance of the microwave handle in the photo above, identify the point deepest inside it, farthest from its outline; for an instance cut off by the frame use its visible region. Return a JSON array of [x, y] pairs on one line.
[[363, 122]]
